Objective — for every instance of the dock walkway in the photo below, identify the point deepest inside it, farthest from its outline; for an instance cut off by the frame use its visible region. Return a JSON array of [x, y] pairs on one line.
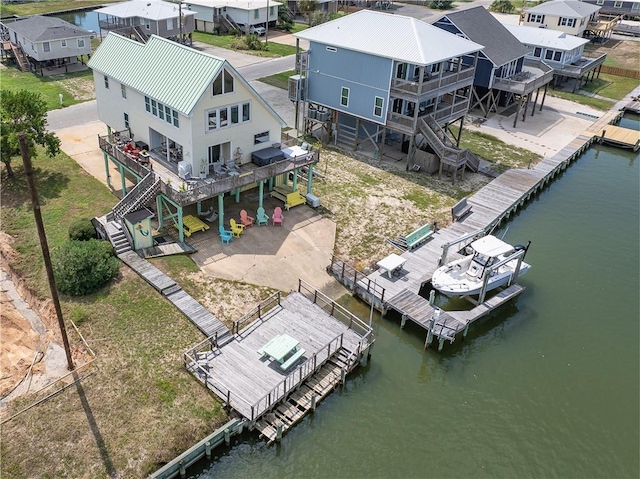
[[194, 311]]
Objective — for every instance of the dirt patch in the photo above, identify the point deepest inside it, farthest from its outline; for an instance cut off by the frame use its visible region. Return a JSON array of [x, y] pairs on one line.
[[620, 53]]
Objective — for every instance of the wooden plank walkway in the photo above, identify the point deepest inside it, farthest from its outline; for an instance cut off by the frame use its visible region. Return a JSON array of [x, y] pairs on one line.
[[632, 106], [194, 311], [619, 136]]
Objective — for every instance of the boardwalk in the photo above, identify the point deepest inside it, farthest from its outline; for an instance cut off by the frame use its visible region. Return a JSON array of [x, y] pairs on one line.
[[194, 311]]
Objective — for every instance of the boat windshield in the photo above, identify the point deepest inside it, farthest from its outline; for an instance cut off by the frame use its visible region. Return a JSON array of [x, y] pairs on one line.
[[483, 259]]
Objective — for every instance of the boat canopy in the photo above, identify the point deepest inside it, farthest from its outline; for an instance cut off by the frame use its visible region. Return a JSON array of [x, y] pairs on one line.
[[491, 246]]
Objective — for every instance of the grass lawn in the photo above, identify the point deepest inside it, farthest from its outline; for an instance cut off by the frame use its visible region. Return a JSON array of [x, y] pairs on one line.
[[596, 103], [226, 41], [46, 6], [75, 87], [141, 407], [280, 80], [611, 86]]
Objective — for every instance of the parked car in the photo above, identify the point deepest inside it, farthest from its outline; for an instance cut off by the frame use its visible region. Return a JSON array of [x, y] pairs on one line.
[[257, 30]]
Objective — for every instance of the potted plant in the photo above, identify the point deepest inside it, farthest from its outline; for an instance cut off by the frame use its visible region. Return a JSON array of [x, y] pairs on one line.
[[203, 169]]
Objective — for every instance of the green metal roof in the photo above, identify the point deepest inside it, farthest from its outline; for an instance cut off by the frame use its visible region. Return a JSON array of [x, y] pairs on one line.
[[158, 69]]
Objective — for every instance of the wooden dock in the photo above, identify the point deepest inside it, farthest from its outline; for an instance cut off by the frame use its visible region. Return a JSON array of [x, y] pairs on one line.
[[194, 311], [632, 106], [254, 386], [619, 136]]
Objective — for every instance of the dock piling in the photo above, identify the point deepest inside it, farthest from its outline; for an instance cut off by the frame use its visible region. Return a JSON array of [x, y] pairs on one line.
[[227, 436], [207, 450]]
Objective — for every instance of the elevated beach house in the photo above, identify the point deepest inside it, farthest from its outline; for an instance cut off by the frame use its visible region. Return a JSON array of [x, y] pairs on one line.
[[628, 8], [372, 78], [186, 135], [139, 19], [562, 52], [39, 42], [504, 76], [569, 16], [228, 15]]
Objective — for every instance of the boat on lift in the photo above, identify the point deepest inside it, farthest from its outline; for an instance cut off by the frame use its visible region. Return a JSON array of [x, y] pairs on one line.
[[489, 258]]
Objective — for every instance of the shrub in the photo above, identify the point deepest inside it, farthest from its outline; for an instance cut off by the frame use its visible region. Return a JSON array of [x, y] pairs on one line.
[[501, 6], [82, 230], [253, 42], [83, 267], [440, 4]]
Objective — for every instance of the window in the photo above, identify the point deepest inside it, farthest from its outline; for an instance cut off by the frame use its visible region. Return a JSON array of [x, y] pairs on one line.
[[46, 46], [106, 82], [154, 108], [223, 83], [548, 55], [256, 13], [344, 96], [246, 111], [176, 122], [169, 23], [261, 138], [147, 24], [126, 121], [435, 68], [537, 51], [80, 42], [271, 11], [225, 116], [557, 56], [567, 22], [147, 104], [600, 2], [535, 18], [63, 43], [235, 118], [377, 106], [167, 114], [332, 49], [212, 120], [161, 111], [617, 5], [123, 90]]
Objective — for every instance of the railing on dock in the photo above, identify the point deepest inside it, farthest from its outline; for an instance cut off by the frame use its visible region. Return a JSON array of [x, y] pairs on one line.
[[257, 313], [296, 378], [355, 280]]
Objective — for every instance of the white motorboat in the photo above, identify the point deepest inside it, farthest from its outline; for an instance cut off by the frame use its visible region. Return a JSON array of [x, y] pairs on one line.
[[489, 257]]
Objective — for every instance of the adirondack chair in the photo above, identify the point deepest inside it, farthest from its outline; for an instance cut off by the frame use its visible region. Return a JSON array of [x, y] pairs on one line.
[[225, 235], [263, 218], [277, 216], [245, 219], [236, 229]]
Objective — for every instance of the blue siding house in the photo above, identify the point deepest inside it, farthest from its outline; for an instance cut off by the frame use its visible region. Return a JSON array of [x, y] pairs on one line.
[[375, 77], [503, 75]]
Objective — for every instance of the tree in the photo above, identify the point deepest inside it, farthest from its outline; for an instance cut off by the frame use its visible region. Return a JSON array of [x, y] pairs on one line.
[[284, 18], [441, 4], [501, 6], [307, 7], [24, 111]]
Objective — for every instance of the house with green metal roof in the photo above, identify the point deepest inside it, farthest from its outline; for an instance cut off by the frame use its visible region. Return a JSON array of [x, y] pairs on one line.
[[189, 120]]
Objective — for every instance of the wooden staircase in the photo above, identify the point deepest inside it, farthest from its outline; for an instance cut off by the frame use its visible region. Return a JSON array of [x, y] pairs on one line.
[[137, 197], [444, 147], [21, 57], [229, 24]]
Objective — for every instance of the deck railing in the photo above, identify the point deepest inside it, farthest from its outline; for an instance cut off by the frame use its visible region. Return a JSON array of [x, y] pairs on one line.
[[414, 87], [257, 312], [355, 280], [296, 378]]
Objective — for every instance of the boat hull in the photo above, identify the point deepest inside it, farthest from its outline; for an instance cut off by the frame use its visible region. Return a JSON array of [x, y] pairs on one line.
[[472, 288]]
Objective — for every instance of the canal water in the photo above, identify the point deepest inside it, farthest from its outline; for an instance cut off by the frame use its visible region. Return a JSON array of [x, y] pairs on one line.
[[87, 19], [547, 386]]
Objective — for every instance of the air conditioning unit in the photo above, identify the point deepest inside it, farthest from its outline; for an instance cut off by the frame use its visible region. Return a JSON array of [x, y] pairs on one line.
[[296, 87], [184, 170], [313, 200]]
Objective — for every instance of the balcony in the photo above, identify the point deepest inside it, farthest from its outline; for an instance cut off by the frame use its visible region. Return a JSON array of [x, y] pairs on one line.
[[433, 86], [534, 74], [580, 67], [186, 192], [445, 112]]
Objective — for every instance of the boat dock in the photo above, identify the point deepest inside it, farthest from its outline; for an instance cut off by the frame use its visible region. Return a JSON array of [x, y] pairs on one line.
[[633, 107], [490, 206], [270, 393]]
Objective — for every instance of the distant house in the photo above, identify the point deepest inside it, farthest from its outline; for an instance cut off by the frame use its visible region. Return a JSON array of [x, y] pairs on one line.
[[229, 15], [140, 19], [371, 77], [564, 53], [197, 120], [569, 16], [49, 41], [629, 8], [503, 74]]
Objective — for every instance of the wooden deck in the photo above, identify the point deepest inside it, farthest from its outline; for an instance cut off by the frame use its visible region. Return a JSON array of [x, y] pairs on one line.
[[619, 136], [632, 106], [194, 311], [254, 386]]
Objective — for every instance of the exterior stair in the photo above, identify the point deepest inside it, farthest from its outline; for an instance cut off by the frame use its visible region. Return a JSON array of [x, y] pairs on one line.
[[229, 23], [139, 34], [444, 147], [137, 197], [117, 237], [21, 58]]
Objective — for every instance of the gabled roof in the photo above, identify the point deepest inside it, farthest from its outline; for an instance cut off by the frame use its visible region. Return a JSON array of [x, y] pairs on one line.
[[564, 8], [390, 36], [544, 37], [149, 9], [479, 26], [41, 29], [179, 84], [237, 4]]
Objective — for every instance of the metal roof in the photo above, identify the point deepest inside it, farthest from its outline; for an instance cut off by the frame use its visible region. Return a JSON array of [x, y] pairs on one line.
[[544, 37], [479, 26], [386, 35], [564, 8], [149, 9], [41, 29], [237, 4], [491, 246], [158, 69]]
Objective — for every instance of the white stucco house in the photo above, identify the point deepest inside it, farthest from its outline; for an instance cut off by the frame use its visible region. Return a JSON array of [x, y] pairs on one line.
[[569, 16], [200, 110]]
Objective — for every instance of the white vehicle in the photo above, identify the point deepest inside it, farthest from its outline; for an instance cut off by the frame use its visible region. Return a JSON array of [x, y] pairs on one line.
[[488, 256], [257, 30]]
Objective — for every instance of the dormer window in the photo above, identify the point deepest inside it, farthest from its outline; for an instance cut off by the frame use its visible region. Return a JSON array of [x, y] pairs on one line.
[[223, 83]]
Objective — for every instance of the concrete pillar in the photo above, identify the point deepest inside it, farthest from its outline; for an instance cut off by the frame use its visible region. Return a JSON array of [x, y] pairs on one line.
[[309, 179], [106, 168], [260, 192], [221, 210], [123, 181]]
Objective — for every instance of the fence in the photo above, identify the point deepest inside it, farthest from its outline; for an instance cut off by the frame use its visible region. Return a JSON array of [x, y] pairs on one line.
[[621, 72]]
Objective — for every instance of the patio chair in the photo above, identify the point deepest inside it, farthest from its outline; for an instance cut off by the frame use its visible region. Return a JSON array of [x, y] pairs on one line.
[[277, 216], [225, 235], [262, 217], [231, 166], [236, 229], [217, 169], [210, 215], [245, 219]]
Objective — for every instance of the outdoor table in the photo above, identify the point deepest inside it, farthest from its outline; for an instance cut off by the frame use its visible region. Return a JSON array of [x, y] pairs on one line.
[[391, 264], [279, 347]]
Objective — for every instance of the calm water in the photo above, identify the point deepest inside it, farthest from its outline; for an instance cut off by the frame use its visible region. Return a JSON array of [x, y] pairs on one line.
[[546, 387], [86, 19], [631, 121]]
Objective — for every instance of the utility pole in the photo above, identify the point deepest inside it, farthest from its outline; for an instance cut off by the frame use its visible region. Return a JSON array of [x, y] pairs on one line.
[[266, 32], [28, 169]]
